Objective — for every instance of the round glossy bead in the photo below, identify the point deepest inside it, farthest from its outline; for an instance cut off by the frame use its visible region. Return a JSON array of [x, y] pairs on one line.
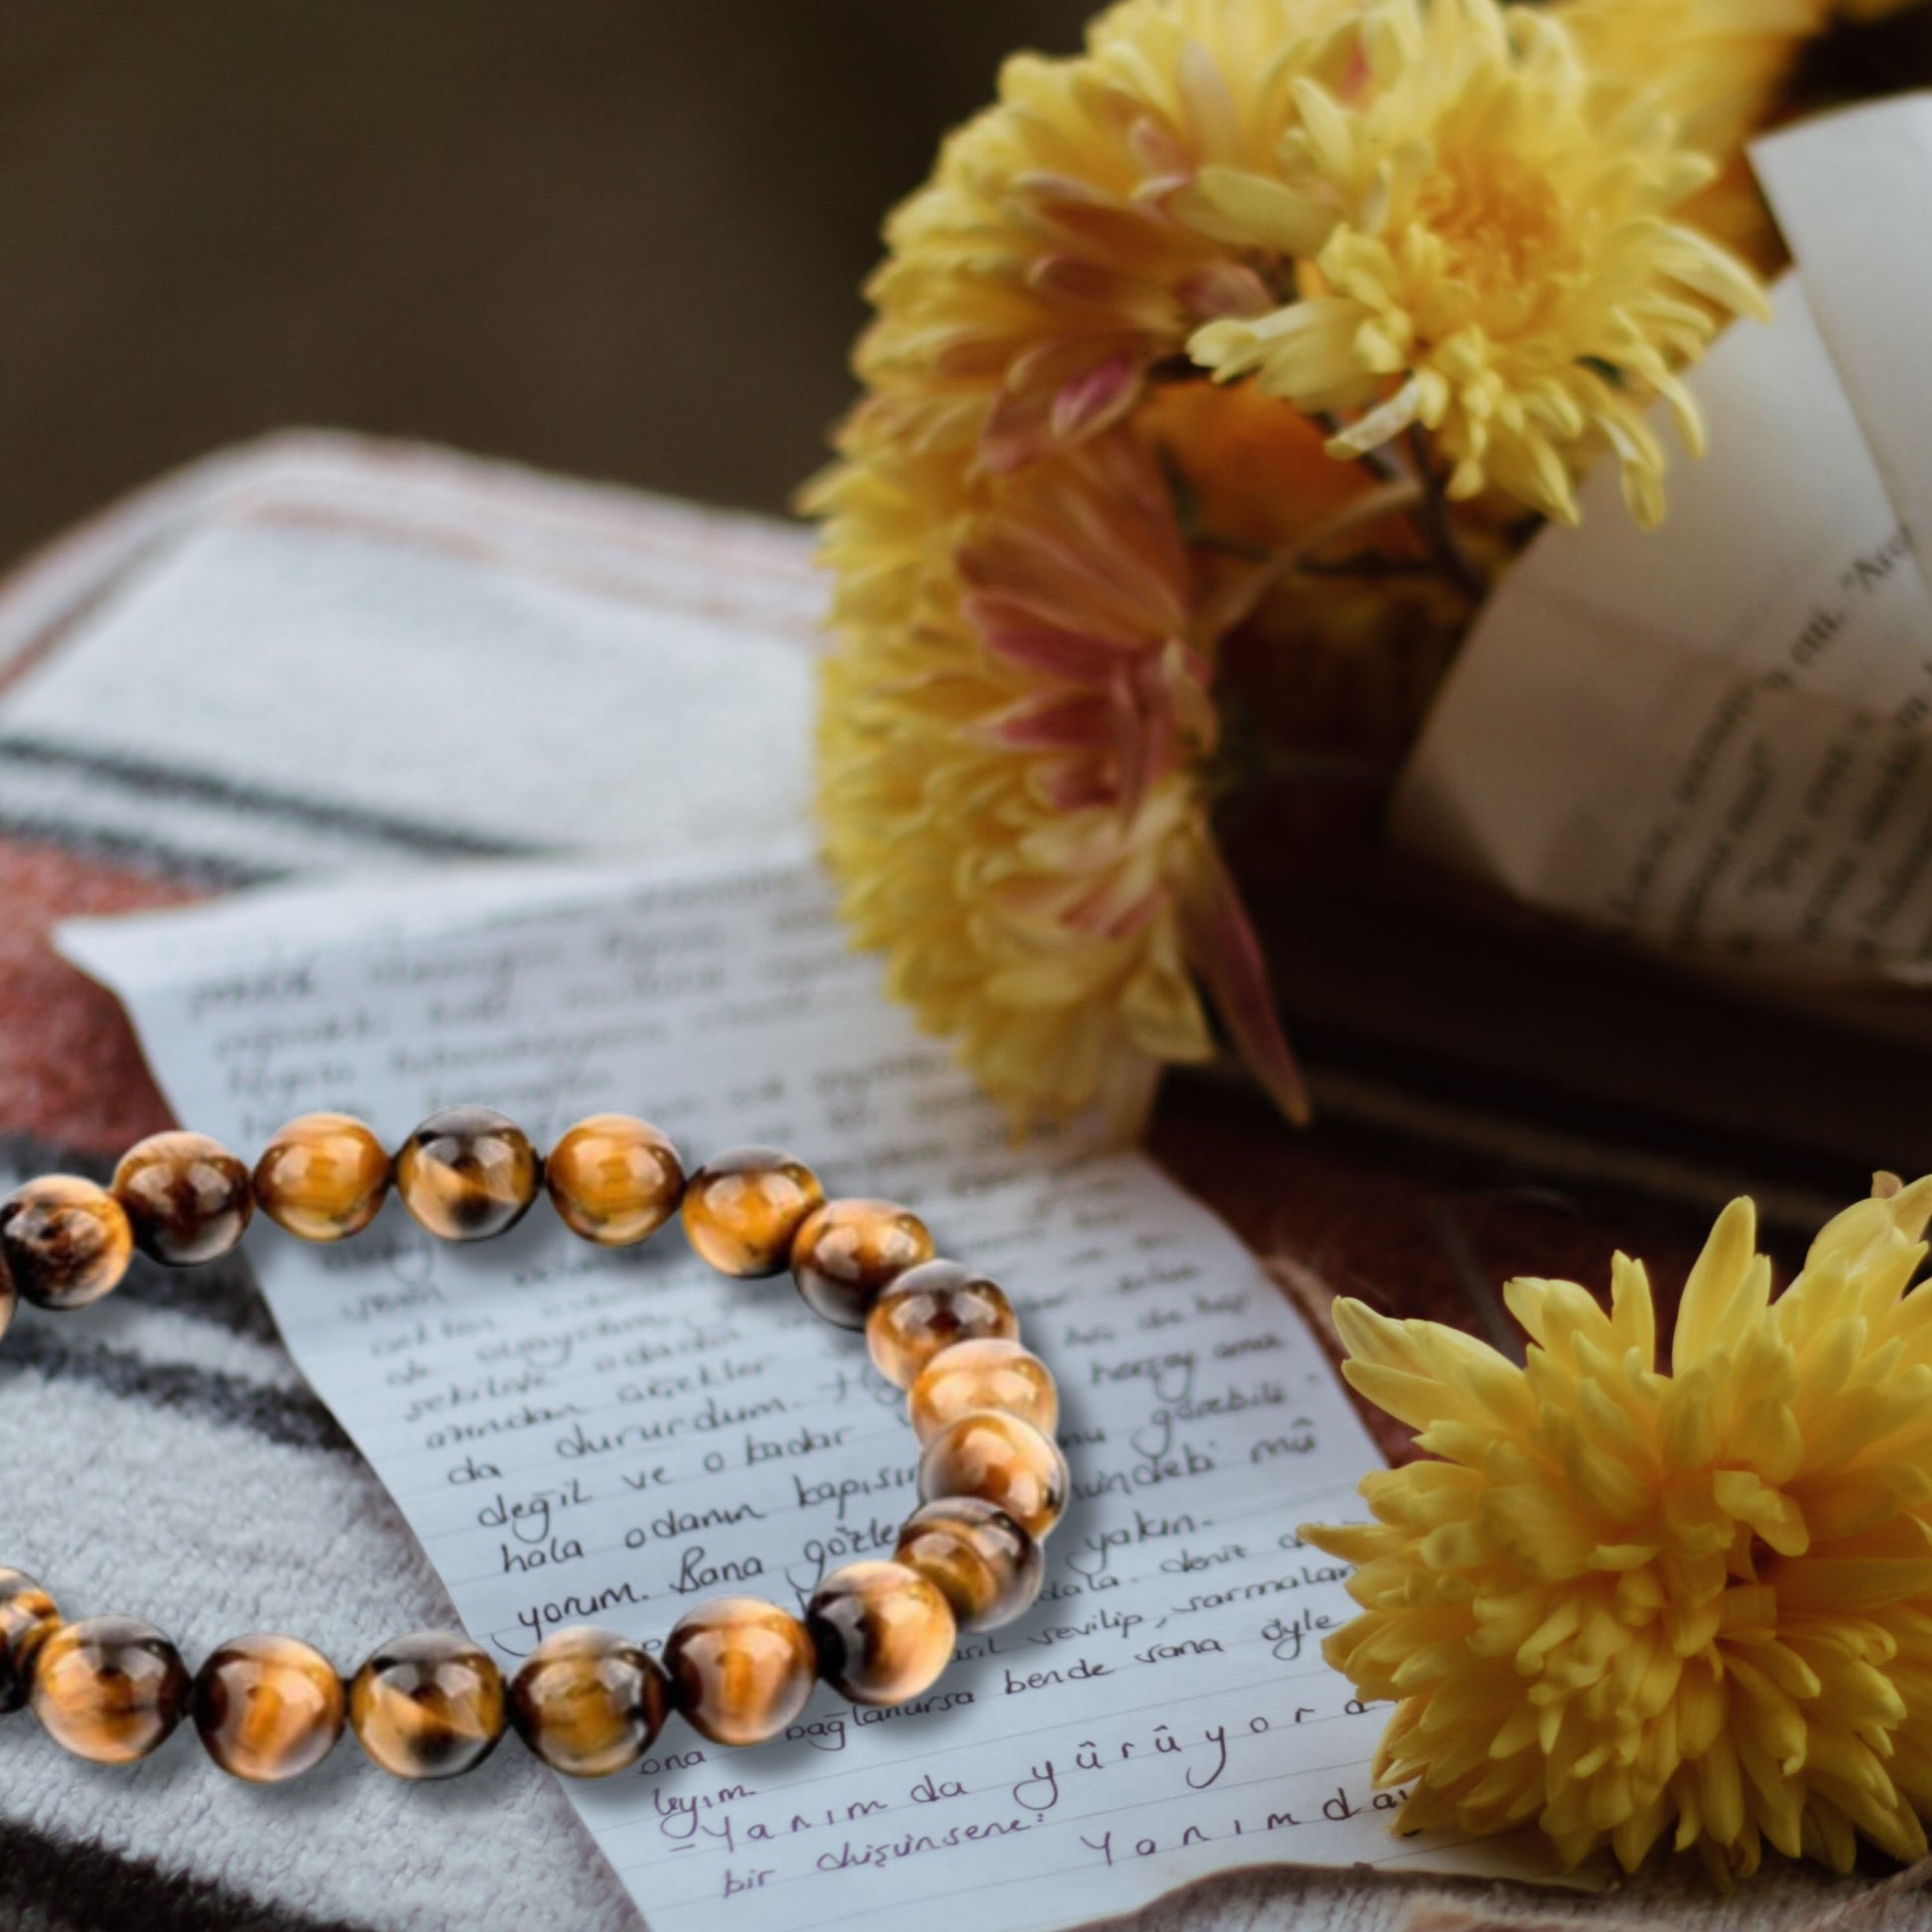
[[468, 1173], [848, 1251], [110, 1689], [742, 1209], [27, 1617], [63, 1242], [884, 1631], [323, 1177], [589, 1702], [930, 1307], [188, 1198], [991, 1374], [428, 1706], [985, 1564], [268, 1707], [1004, 1462], [740, 1668], [614, 1179]]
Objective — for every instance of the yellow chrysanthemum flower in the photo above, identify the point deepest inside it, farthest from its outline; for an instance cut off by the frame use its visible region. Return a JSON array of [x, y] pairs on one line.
[[1487, 254], [1715, 66], [1010, 748], [1630, 1605], [1722, 69], [1372, 204], [1031, 284]]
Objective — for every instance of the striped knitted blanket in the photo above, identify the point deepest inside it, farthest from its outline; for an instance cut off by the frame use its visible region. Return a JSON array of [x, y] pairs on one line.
[[321, 654]]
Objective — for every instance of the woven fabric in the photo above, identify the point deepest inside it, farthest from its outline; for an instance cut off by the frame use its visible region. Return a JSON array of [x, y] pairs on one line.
[[324, 654]]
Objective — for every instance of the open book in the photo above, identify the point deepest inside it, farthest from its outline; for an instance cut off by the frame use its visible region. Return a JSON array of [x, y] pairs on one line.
[[1716, 740]]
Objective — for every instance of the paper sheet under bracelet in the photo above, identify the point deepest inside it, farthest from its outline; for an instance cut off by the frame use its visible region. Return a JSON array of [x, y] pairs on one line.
[[580, 1436]]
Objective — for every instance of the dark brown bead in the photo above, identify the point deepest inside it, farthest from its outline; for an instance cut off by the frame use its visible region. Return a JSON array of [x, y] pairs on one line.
[[188, 1198], [589, 1702], [428, 1706], [468, 1173], [268, 1707], [930, 1307], [63, 1242], [323, 1177], [740, 1668], [986, 1565], [27, 1617], [110, 1689], [846, 1252], [742, 1209], [884, 1631], [1003, 1461], [614, 1179]]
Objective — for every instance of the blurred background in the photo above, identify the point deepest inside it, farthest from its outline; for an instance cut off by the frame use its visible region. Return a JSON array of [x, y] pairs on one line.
[[610, 238]]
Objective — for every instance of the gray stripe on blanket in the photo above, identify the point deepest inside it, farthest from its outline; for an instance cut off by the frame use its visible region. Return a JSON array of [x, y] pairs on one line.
[[290, 1416], [134, 852], [150, 778], [67, 1887]]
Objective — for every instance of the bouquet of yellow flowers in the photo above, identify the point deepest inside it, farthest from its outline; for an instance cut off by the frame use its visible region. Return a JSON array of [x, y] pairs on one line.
[[1260, 333]]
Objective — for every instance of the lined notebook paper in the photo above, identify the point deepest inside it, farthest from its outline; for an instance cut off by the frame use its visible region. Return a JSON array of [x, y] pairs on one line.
[[580, 1436]]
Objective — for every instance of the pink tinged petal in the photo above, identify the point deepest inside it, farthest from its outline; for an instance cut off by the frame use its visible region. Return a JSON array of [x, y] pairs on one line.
[[1136, 751], [1031, 632], [1096, 585], [1157, 151], [1126, 300], [1222, 948], [1226, 289], [1106, 916], [1093, 400], [1016, 433], [1052, 725], [1058, 359], [1005, 631], [1072, 785], [1158, 191]]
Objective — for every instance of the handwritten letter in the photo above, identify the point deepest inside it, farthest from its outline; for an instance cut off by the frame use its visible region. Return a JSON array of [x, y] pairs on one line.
[[580, 1436]]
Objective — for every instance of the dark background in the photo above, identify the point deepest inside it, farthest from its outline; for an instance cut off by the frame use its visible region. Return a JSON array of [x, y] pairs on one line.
[[620, 239]]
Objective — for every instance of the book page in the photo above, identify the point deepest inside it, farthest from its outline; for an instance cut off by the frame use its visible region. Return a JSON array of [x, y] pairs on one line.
[[582, 1435], [1715, 739]]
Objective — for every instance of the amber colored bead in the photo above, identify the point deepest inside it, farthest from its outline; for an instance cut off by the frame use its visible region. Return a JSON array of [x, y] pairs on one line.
[[884, 1631], [268, 1707], [188, 1198], [110, 1689], [27, 1617], [589, 1702], [848, 1251], [1003, 1461], [930, 1307], [985, 1564], [614, 1179], [428, 1706], [991, 1374], [323, 1177], [468, 1173], [63, 1242], [744, 1208], [740, 1668]]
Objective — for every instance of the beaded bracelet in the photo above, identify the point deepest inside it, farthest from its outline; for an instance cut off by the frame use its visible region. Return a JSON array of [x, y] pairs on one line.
[[587, 1701]]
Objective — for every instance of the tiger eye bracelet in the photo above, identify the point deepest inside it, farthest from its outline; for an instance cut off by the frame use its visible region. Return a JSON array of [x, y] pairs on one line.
[[587, 1701]]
